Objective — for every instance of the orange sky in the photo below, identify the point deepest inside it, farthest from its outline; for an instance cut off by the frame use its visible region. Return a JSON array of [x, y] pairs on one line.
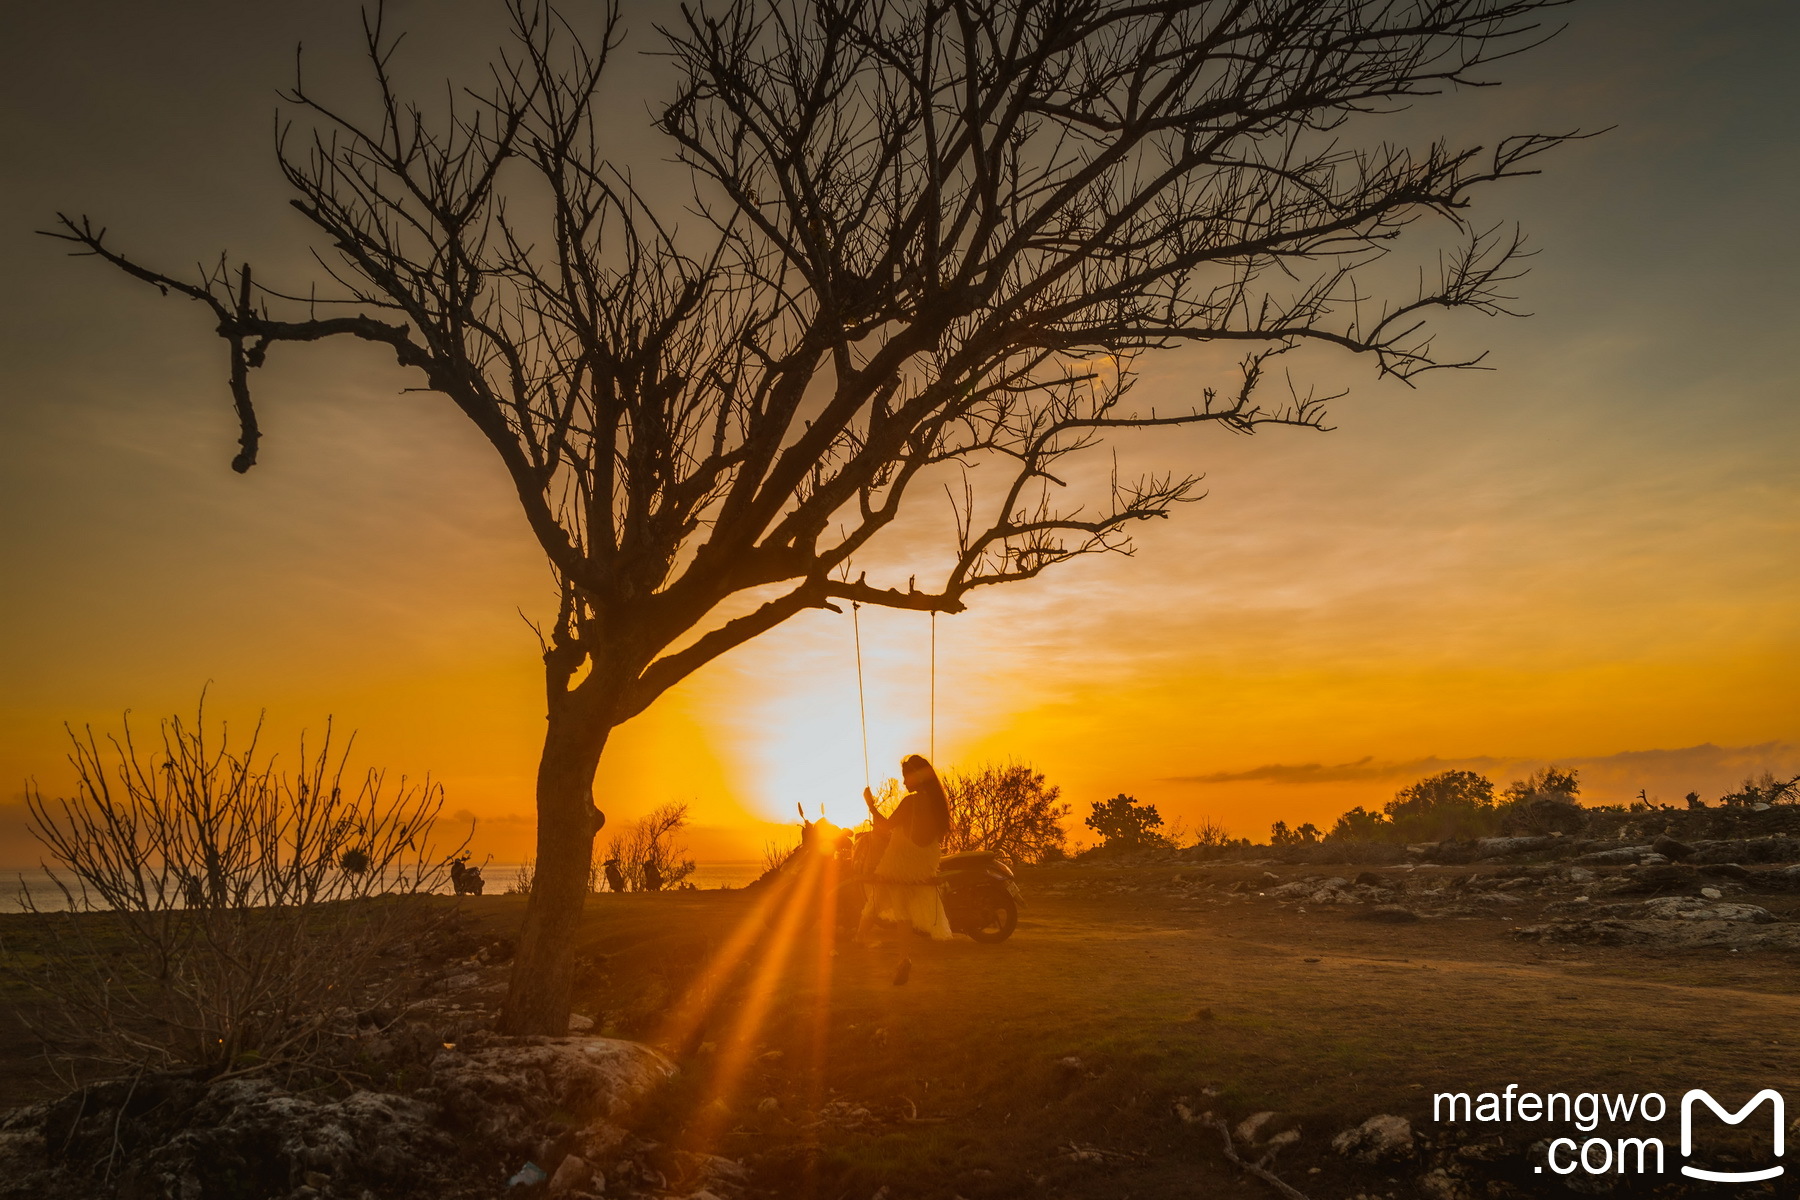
[[1586, 556]]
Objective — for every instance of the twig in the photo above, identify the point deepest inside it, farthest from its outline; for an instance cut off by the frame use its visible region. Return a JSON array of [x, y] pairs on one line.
[[1267, 1176], [118, 1120]]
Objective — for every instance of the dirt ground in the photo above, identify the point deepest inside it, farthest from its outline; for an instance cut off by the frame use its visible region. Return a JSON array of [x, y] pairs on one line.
[[1050, 1065], [1053, 1065]]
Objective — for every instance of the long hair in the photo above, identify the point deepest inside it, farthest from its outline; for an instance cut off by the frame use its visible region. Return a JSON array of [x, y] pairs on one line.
[[932, 813]]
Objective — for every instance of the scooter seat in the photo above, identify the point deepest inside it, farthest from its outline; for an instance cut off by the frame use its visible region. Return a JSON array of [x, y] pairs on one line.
[[973, 860]]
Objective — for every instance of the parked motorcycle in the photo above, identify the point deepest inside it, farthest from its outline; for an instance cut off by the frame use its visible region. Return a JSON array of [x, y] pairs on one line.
[[979, 891], [464, 879]]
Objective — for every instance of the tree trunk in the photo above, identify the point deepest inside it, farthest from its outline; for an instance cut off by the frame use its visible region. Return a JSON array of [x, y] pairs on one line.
[[541, 992]]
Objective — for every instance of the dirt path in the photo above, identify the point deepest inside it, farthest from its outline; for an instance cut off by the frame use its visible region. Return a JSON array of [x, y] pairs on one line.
[[1050, 1065]]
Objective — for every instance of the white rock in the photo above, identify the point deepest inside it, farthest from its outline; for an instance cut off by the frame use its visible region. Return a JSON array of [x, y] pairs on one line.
[[572, 1175], [1255, 1127], [1377, 1139], [1732, 912]]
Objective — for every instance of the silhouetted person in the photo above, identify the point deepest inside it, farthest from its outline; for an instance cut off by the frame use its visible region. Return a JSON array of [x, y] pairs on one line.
[[615, 878], [904, 886], [653, 879]]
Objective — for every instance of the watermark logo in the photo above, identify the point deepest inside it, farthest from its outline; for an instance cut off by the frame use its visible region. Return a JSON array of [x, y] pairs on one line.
[[1730, 1118], [1611, 1154]]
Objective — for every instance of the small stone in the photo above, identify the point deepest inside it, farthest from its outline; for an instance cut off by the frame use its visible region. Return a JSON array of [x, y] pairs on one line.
[[1712, 893], [1441, 1185], [768, 1104], [580, 1024], [1286, 1137], [1377, 1139], [572, 1175], [1257, 1126], [529, 1175]]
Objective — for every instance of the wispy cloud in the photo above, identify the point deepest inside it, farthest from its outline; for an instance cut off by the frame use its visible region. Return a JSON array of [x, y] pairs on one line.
[[1705, 767], [1363, 768]]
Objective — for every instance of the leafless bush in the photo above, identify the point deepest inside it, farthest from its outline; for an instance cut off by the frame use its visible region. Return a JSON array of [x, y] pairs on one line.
[[775, 854], [526, 875], [220, 914], [1208, 831], [650, 854], [1007, 809]]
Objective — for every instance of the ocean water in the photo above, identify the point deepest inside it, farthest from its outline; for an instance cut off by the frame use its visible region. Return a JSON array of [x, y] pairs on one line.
[[499, 876]]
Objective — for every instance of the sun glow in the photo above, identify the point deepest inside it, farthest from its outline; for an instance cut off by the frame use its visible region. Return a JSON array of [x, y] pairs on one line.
[[808, 747]]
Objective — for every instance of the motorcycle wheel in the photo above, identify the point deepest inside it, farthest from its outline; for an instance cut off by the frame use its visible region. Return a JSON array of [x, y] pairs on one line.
[[997, 922]]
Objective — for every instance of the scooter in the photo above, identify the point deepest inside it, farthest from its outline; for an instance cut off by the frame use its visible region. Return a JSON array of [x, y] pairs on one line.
[[979, 891], [464, 879]]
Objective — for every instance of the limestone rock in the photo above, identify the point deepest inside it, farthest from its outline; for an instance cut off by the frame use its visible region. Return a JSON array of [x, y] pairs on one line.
[[1381, 1138]]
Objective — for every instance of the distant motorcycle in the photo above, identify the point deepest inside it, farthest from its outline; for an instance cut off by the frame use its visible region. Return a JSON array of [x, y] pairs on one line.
[[464, 879]]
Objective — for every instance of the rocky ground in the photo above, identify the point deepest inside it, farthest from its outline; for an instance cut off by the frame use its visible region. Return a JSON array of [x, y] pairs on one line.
[[1263, 1023]]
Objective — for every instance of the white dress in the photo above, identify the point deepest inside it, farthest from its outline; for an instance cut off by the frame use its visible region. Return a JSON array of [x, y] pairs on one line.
[[903, 888]]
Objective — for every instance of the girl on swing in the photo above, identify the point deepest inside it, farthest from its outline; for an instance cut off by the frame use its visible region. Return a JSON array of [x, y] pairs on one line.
[[903, 888]]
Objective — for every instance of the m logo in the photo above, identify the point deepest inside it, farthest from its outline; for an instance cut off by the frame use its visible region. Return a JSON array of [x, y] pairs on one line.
[[1687, 1134]]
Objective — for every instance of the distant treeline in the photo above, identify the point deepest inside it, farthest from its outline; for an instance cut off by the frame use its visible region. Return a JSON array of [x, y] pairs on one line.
[[1462, 804]]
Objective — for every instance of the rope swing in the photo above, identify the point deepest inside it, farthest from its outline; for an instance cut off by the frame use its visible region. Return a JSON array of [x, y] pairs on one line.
[[862, 704], [862, 707]]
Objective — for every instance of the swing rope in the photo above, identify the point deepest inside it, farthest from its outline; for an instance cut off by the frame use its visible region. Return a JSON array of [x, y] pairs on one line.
[[862, 707], [862, 704]]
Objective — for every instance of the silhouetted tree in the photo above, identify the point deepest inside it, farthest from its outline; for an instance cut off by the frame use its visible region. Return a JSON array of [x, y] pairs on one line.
[[1281, 835], [1450, 804], [1541, 803], [1124, 824], [1008, 809], [650, 856], [926, 238], [1358, 825]]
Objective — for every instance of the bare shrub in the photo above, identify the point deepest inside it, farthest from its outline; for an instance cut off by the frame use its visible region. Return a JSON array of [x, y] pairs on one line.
[[1008, 809], [1208, 832], [1764, 789], [220, 913], [650, 853], [775, 854]]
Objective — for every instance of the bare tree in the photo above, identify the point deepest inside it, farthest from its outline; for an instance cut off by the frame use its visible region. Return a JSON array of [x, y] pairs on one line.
[[1008, 809], [932, 239], [650, 855]]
